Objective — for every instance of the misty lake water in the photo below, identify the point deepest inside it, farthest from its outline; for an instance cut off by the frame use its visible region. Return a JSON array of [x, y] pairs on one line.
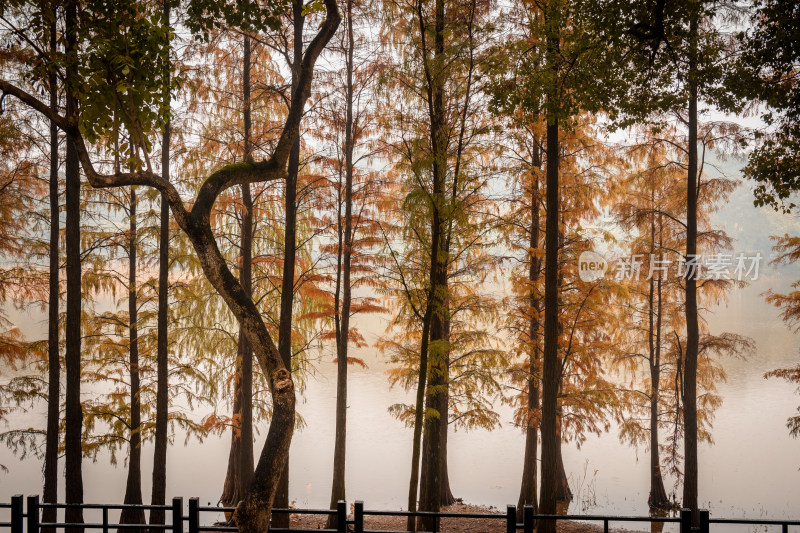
[[752, 470]]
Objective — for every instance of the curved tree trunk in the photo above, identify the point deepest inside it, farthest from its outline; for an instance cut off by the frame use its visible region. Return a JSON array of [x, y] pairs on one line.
[[253, 513], [133, 487]]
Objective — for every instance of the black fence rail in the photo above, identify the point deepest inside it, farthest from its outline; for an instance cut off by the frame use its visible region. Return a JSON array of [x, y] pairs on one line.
[[26, 518]]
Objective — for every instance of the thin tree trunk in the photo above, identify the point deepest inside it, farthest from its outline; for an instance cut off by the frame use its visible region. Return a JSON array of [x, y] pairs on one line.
[[289, 250], [50, 492], [527, 494], [419, 414], [692, 326], [245, 356], [246, 464], [73, 451], [240, 457], [550, 360], [133, 487], [658, 494], [343, 316], [563, 492], [159, 490]]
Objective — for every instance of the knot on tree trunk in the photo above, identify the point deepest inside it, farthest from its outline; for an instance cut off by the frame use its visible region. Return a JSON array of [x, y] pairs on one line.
[[282, 382]]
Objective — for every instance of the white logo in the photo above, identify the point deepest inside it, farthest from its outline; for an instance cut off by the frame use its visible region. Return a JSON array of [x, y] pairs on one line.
[[591, 266]]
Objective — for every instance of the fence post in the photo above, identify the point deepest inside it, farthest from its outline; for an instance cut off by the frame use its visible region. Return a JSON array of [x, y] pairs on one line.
[[527, 519], [704, 520], [511, 519], [16, 513], [105, 519], [341, 516], [177, 515], [358, 516], [33, 514], [194, 515], [686, 521]]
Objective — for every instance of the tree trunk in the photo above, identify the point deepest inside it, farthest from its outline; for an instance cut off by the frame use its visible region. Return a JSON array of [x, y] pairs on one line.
[[342, 317], [527, 494], [133, 487], [159, 490], [50, 492], [430, 493], [245, 351], [550, 360], [443, 408], [419, 413], [289, 249], [658, 494], [240, 457], [563, 492], [230, 488], [253, 513], [692, 326], [73, 413], [447, 497], [446, 493]]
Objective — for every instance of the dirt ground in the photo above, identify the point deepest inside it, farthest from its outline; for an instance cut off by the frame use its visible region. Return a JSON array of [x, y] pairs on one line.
[[460, 525]]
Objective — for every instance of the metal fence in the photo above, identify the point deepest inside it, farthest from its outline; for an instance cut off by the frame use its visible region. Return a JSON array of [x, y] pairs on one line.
[[27, 518]]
